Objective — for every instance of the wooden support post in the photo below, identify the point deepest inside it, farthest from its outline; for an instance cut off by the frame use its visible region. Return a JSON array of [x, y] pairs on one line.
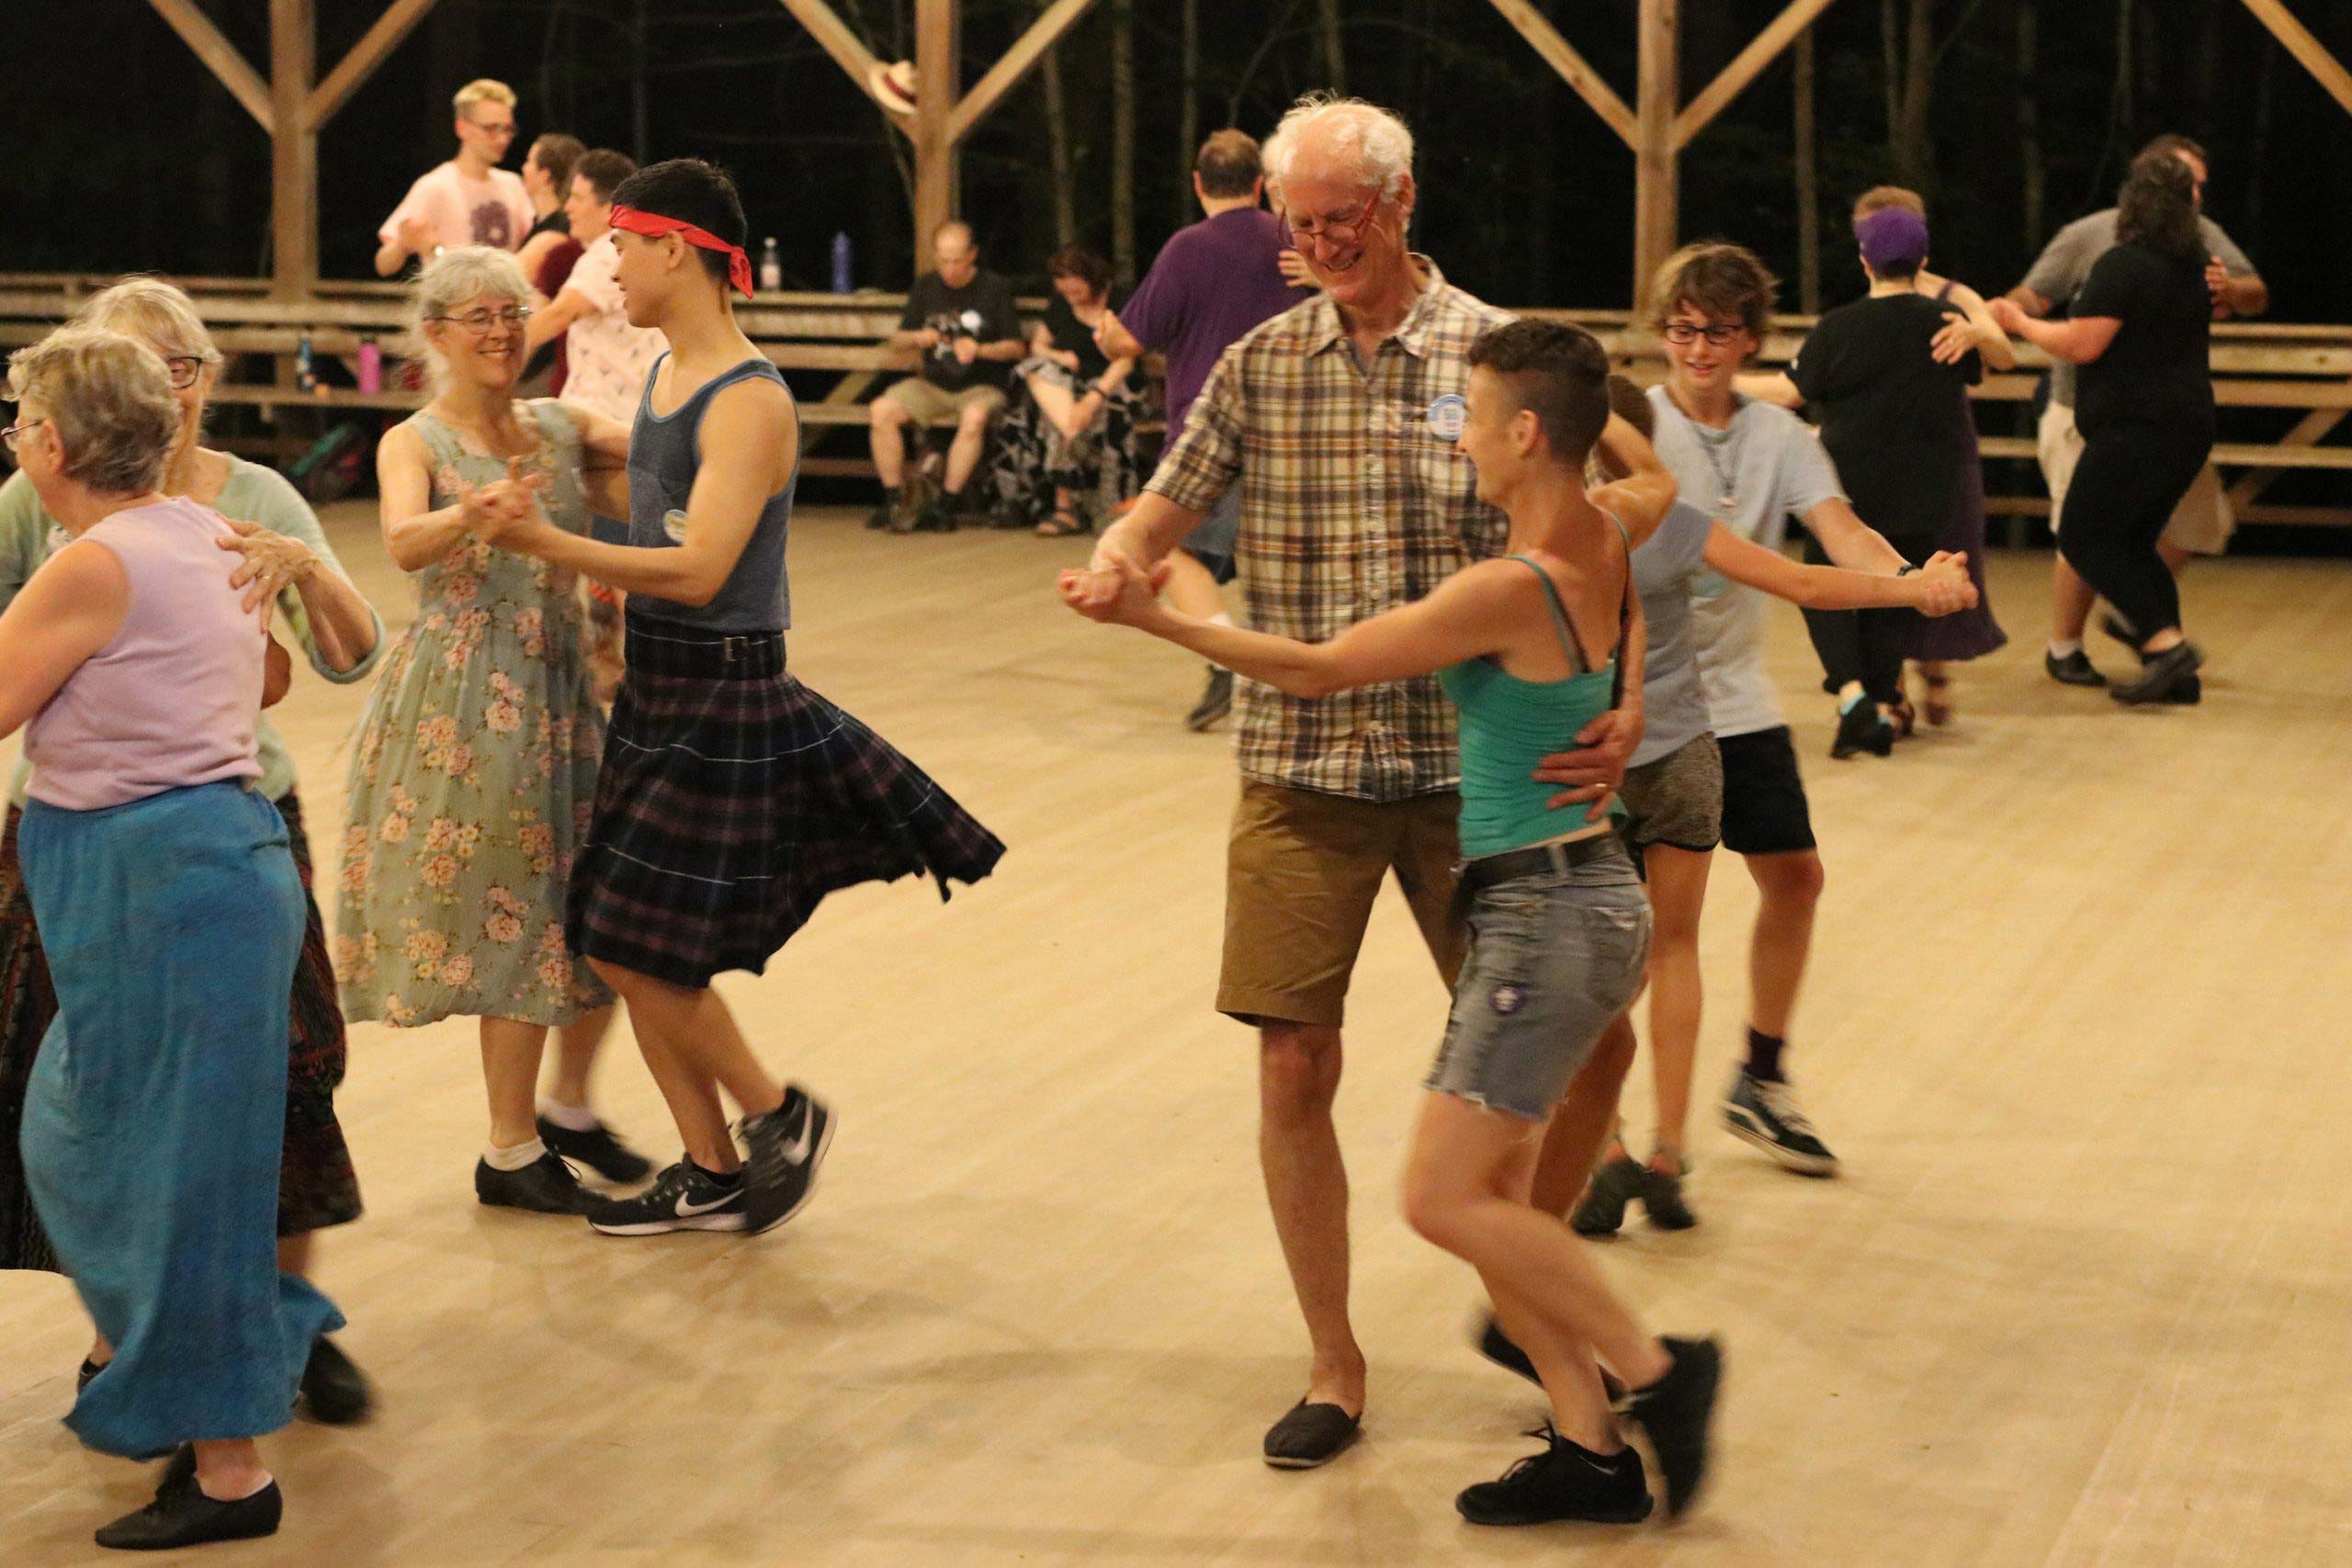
[[400, 19], [1735, 78], [294, 141], [2309, 51], [1657, 196], [936, 182], [220, 56], [834, 37]]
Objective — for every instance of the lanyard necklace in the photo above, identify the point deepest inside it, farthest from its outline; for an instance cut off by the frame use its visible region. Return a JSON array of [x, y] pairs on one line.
[[1727, 502]]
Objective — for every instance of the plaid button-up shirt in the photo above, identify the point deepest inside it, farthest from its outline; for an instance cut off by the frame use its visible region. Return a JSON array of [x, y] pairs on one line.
[[1354, 500]]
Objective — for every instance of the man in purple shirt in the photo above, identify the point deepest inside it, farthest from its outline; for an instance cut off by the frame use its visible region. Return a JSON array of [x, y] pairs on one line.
[[1211, 284]]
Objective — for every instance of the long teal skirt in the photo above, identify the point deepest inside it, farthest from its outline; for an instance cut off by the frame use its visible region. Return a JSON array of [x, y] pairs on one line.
[[156, 1111]]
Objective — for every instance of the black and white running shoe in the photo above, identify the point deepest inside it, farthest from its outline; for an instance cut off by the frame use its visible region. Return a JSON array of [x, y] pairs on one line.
[[785, 1147], [684, 1198], [1764, 1114]]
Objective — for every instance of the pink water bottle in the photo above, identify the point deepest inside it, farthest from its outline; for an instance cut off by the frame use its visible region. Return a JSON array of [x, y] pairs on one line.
[[371, 366]]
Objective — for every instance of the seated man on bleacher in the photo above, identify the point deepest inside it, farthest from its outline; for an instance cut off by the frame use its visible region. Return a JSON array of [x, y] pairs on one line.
[[963, 322]]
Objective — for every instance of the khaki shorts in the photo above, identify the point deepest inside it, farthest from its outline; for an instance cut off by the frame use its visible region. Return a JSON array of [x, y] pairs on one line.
[[2200, 524], [925, 402], [1301, 872]]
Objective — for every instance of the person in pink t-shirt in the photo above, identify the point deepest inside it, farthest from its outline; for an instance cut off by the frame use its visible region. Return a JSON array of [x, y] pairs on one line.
[[468, 200]]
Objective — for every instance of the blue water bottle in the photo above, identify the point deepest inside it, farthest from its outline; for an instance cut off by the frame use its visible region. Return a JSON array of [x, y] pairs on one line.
[[840, 263], [306, 376]]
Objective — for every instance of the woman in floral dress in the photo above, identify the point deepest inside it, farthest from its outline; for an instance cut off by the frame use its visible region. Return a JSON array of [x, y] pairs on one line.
[[476, 765]]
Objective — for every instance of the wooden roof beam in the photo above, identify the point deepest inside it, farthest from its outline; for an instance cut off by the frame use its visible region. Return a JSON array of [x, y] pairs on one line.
[[849, 51], [219, 57], [1736, 77], [400, 19], [1018, 62], [1538, 30], [2309, 51]]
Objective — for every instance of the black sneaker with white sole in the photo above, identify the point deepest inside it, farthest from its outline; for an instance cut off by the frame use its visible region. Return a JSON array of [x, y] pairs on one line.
[[1563, 1482], [684, 1198], [1764, 1114], [597, 1149], [785, 1145], [546, 1185]]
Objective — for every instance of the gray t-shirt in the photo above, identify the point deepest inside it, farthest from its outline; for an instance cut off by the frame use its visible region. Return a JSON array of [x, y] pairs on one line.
[[1674, 704], [2059, 272], [1768, 466]]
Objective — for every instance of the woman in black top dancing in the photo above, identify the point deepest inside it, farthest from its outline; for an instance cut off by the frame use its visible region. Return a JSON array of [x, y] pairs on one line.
[[2144, 400]]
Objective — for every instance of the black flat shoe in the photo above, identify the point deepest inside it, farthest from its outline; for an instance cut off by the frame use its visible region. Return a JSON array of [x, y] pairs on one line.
[[182, 1515], [598, 1149], [87, 1371], [1602, 1209], [1863, 728], [2074, 670], [334, 1392], [546, 1185], [1309, 1436], [2164, 675]]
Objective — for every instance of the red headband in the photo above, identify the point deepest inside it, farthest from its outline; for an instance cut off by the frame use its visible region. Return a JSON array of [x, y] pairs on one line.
[[739, 266]]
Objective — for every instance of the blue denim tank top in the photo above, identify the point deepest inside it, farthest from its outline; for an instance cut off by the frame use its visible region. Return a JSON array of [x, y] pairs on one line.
[[662, 464]]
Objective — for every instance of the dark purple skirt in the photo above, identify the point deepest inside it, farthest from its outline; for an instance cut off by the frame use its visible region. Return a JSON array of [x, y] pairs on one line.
[[732, 799], [1971, 634]]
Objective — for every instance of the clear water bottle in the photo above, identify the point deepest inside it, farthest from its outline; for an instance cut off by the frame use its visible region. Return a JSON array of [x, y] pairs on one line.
[[306, 374], [840, 263], [371, 366], [770, 266]]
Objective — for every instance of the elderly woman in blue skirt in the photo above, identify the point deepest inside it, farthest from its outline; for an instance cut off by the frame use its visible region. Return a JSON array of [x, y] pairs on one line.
[[172, 916]]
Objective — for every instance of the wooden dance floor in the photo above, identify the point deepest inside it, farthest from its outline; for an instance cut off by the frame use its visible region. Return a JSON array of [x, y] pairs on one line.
[[2076, 1024]]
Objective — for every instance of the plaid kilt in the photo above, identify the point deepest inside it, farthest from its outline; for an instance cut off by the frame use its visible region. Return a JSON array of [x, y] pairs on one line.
[[317, 1187], [732, 799]]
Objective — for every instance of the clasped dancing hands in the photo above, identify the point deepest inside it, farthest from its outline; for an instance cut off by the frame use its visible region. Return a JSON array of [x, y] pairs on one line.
[[496, 511]]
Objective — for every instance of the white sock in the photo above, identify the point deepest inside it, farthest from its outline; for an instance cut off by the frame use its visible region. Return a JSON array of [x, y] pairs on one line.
[[2065, 649], [516, 1158], [1221, 619], [571, 1118]]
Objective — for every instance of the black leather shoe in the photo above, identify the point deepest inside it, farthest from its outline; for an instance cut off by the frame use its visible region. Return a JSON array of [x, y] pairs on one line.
[[1862, 728], [2162, 677], [87, 1371], [182, 1515], [546, 1185], [1310, 1434], [597, 1149], [2074, 670], [334, 1392], [1602, 1209]]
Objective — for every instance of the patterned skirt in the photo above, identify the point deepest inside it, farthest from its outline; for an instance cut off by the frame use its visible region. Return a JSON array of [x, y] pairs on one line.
[[317, 1187], [732, 799]]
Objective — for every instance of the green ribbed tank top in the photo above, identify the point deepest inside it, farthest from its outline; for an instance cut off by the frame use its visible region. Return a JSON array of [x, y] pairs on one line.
[[1509, 726]]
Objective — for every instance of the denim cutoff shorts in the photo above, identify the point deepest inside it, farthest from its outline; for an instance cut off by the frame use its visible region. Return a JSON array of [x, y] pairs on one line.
[[1555, 957]]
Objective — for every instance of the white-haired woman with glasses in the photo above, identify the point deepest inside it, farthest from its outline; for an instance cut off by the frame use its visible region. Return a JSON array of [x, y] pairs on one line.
[[154, 1122], [289, 560], [476, 766]]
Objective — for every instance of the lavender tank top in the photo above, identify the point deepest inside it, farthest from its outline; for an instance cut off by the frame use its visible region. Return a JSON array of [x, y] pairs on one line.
[[173, 699]]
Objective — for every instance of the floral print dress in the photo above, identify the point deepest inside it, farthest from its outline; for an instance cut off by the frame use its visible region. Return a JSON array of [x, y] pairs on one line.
[[475, 773]]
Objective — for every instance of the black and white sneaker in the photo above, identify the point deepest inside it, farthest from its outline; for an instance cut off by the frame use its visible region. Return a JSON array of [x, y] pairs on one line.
[[597, 1149], [1216, 701], [1563, 1482], [785, 1145], [1764, 1114], [546, 1185], [685, 1197]]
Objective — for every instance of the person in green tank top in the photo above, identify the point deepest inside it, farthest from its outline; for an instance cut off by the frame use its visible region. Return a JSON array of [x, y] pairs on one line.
[[1528, 647]]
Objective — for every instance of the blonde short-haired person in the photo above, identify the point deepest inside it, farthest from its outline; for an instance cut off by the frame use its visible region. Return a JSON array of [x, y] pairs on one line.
[[468, 200], [476, 764], [333, 625], [161, 875]]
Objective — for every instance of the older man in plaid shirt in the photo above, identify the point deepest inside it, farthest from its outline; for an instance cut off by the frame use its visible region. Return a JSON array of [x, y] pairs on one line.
[[1338, 418]]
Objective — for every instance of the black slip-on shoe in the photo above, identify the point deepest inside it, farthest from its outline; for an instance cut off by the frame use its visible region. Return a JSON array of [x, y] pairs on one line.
[[1310, 1434], [2164, 674], [1862, 728], [2074, 670], [546, 1185], [597, 1149], [334, 1391], [1565, 1481], [183, 1516]]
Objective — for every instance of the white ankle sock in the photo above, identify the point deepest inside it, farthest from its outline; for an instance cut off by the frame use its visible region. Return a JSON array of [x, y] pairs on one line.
[[514, 1158], [2065, 649], [571, 1118]]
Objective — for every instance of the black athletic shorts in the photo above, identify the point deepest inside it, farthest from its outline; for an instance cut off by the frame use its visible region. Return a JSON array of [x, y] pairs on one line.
[[1764, 804]]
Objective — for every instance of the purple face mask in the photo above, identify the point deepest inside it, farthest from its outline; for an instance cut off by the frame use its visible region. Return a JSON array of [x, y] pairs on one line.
[[1892, 234]]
